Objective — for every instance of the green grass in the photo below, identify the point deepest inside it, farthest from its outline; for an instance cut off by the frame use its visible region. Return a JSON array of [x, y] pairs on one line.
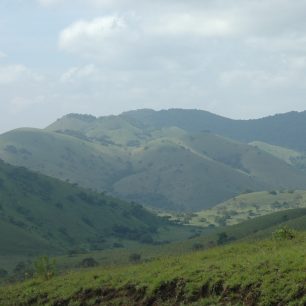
[[247, 206], [257, 228], [268, 272], [169, 168], [282, 153], [42, 215]]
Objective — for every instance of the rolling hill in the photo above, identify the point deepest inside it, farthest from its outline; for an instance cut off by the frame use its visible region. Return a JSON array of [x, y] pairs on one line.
[[285, 130], [247, 206], [42, 215], [161, 165]]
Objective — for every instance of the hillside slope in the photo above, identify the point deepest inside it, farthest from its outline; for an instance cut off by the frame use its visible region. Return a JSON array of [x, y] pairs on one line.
[[287, 130], [41, 215], [166, 168], [269, 272], [249, 206]]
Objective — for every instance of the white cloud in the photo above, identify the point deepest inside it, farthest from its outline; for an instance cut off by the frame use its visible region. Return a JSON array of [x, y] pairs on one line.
[[101, 37], [79, 73], [125, 54], [255, 79], [209, 25], [13, 73], [21, 103]]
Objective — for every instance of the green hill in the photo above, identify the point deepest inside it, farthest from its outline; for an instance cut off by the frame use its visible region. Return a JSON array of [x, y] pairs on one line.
[[167, 168], [42, 215], [285, 130], [250, 230], [269, 272], [247, 206], [294, 158]]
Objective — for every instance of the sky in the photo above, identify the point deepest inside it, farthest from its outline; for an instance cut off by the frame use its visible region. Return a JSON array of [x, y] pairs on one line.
[[237, 58]]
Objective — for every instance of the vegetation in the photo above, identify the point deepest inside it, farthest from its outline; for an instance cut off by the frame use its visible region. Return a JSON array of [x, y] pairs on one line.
[[40, 215], [244, 207], [165, 160], [269, 272]]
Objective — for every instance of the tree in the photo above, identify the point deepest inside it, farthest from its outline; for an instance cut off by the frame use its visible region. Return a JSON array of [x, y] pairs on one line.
[[44, 267]]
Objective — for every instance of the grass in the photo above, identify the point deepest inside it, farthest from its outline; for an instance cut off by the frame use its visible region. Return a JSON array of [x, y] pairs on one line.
[[41, 215], [258, 228], [169, 168], [246, 206], [269, 272]]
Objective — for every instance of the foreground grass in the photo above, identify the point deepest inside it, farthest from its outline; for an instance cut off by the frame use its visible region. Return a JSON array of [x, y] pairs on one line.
[[269, 272]]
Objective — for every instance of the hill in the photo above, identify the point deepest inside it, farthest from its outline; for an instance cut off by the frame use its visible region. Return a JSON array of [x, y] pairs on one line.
[[42, 215], [285, 130], [250, 230], [269, 272], [247, 206], [167, 168]]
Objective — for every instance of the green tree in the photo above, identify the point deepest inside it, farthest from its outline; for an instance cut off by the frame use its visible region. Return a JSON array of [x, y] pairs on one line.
[[44, 267]]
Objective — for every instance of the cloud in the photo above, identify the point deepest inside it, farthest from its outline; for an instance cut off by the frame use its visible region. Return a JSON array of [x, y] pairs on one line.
[[235, 57], [101, 37], [255, 79], [198, 24], [73, 74], [20, 103], [15, 73], [2, 55]]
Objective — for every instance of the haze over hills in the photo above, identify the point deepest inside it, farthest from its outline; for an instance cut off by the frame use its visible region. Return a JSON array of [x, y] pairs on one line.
[[167, 159]]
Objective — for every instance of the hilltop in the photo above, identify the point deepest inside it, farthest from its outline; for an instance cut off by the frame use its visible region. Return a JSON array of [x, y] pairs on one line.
[[171, 160]]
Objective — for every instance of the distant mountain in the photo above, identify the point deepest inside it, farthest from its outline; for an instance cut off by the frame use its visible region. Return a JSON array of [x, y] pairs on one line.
[[42, 215], [167, 160], [287, 130]]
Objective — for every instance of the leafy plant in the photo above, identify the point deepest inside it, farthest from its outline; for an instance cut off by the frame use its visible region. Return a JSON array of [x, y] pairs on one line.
[[45, 267], [284, 233], [135, 257]]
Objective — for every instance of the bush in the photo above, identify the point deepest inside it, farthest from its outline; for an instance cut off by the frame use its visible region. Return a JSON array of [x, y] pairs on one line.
[[273, 192], [197, 246], [284, 233], [3, 273], [44, 267], [88, 262], [135, 257]]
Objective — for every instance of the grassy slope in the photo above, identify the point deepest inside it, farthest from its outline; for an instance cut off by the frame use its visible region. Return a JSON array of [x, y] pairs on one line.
[[285, 130], [39, 215], [63, 157], [294, 158], [248, 206], [166, 168], [263, 273], [260, 227]]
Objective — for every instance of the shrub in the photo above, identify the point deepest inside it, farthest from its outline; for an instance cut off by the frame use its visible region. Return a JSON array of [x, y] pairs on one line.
[[88, 262], [284, 233], [44, 267], [3, 273], [135, 257], [197, 246]]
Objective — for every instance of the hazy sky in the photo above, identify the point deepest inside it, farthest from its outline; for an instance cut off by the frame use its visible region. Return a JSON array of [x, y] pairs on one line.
[[238, 58]]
